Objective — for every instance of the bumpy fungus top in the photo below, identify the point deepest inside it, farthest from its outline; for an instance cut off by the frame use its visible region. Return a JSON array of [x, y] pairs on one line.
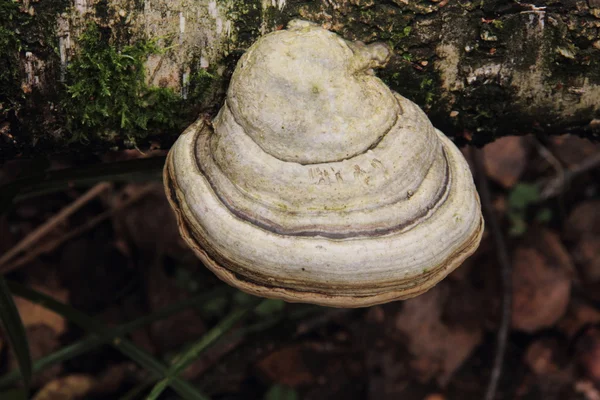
[[317, 183], [307, 95]]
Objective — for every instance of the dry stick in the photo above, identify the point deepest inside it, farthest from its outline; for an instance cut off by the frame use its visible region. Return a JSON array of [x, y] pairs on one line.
[[49, 246], [555, 163], [46, 227], [557, 185], [505, 271]]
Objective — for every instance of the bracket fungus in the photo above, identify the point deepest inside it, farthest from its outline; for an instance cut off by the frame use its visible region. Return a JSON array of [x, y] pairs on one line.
[[316, 183]]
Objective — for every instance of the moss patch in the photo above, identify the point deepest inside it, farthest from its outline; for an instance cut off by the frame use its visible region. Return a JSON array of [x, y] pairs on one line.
[[10, 46], [21, 32], [27, 106], [247, 17], [107, 93]]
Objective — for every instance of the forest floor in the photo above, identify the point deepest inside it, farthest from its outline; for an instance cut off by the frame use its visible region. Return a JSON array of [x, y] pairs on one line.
[[112, 251]]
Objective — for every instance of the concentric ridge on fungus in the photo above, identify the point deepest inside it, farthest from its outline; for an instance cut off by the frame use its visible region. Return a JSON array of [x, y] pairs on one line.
[[317, 183]]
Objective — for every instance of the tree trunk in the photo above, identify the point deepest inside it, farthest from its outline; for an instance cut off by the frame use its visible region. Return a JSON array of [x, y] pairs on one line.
[[93, 75]]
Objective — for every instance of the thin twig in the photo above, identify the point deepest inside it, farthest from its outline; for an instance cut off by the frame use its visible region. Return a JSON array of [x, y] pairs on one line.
[[557, 185], [46, 227], [560, 178], [505, 271], [91, 223]]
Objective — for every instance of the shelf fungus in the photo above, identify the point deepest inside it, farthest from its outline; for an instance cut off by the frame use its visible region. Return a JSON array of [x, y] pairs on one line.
[[316, 183]]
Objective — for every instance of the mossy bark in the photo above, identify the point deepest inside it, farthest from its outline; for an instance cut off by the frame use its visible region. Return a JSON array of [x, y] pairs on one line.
[[481, 69]]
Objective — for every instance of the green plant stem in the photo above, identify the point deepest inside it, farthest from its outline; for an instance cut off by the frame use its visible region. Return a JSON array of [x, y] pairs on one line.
[[136, 391], [91, 342], [183, 388], [191, 354], [15, 332]]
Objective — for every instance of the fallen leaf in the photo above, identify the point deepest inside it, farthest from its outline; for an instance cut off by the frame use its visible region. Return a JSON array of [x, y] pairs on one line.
[[43, 278], [286, 366], [172, 332], [540, 357], [578, 316], [43, 340], [505, 159], [583, 220], [588, 389], [437, 348], [70, 387], [150, 223], [571, 149], [582, 228], [587, 350], [542, 273]]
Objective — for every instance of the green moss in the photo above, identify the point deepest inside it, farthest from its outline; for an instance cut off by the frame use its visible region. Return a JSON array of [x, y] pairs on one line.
[[201, 83], [108, 94], [23, 107], [21, 32], [498, 24], [247, 17], [427, 87], [420, 86], [11, 94], [397, 36]]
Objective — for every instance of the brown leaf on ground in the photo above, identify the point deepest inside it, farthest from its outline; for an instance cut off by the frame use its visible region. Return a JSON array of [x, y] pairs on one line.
[[387, 375], [540, 357], [505, 160], [545, 358], [584, 220], [151, 224], [587, 353], [542, 273], [587, 389], [286, 366], [587, 256], [82, 386], [44, 280], [582, 228], [43, 340], [71, 387], [578, 316], [113, 377], [571, 150], [437, 349], [338, 372], [172, 332], [435, 396], [212, 356]]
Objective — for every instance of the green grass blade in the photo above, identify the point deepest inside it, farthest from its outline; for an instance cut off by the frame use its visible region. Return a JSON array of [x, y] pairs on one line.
[[159, 370], [89, 343], [15, 332], [191, 354], [135, 392]]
